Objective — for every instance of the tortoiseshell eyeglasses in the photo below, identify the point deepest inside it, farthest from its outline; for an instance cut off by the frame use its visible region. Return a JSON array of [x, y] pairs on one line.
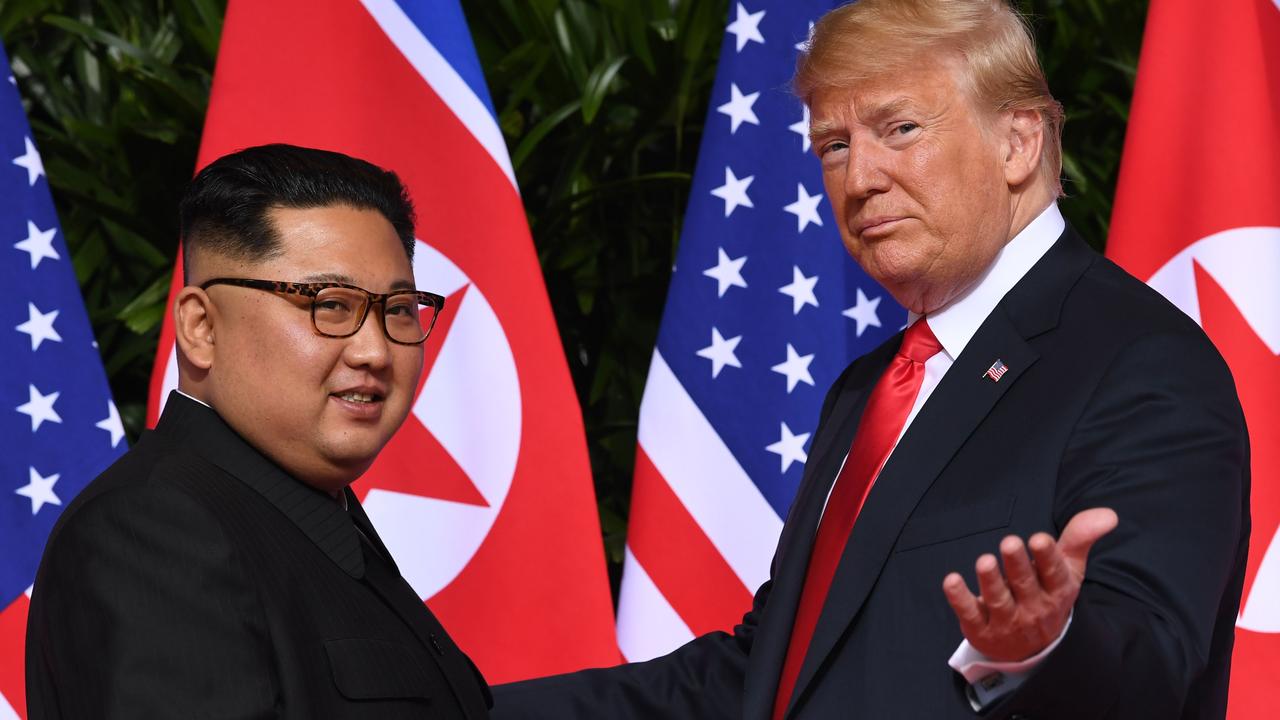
[[338, 310]]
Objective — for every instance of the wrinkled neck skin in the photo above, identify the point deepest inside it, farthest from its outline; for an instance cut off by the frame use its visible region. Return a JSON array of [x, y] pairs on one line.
[[1025, 204]]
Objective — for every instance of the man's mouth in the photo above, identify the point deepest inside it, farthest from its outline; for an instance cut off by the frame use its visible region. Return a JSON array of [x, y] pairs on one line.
[[876, 225], [358, 397]]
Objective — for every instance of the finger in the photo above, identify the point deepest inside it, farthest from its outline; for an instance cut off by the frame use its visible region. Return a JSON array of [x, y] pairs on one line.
[[995, 592], [968, 609], [1018, 571], [1051, 564], [1082, 532]]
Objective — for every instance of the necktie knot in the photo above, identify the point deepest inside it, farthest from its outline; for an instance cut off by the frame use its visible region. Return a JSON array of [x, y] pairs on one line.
[[919, 344]]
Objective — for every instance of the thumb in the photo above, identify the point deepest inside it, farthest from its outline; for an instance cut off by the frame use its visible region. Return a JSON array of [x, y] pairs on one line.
[[1082, 532]]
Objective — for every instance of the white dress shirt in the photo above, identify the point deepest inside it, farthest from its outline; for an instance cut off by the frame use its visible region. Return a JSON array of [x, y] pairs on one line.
[[954, 326]]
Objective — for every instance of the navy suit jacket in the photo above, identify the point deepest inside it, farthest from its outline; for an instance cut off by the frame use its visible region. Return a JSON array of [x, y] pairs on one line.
[[196, 579], [1113, 398]]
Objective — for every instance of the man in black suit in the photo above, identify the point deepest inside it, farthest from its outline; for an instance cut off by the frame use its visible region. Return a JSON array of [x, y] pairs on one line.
[[1037, 388], [222, 568]]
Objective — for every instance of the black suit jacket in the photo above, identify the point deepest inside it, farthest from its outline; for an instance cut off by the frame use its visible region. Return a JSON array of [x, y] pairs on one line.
[[1113, 398], [196, 579]]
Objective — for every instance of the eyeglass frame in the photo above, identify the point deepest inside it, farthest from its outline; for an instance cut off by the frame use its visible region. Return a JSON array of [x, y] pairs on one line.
[[312, 290]]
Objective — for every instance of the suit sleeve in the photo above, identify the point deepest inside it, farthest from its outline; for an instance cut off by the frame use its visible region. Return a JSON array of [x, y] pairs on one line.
[[702, 679], [1162, 441], [141, 609]]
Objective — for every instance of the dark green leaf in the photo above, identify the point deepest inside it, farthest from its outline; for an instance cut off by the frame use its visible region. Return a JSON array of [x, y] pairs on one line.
[[146, 310], [539, 131], [597, 87]]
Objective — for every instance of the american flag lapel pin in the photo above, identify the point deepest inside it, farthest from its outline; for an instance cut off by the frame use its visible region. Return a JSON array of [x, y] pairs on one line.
[[996, 371]]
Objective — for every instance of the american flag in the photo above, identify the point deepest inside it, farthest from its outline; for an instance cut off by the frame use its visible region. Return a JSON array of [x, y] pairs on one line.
[[765, 310], [996, 371], [56, 415]]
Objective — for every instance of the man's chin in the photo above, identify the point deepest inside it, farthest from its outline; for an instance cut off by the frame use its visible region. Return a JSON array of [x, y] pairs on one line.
[[904, 286], [352, 457]]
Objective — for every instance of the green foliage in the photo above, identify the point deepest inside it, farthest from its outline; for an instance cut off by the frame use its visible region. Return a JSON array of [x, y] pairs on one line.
[[601, 101], [1089, 49], [116, 94]]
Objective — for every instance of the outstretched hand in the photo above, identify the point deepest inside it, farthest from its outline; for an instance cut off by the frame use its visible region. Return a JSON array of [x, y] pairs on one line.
[[1020, 612]]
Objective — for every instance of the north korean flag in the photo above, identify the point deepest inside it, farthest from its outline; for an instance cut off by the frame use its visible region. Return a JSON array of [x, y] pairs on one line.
[[1197, 215]]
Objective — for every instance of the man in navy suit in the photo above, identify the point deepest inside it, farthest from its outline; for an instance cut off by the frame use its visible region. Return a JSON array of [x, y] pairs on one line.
[[1039, 392]]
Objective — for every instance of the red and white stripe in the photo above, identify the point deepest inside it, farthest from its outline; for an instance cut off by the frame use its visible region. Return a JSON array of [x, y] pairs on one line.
[[701, 534], [13, 631]]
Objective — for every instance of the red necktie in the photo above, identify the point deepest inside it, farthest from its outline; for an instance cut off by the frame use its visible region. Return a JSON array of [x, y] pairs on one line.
[[886, 412]]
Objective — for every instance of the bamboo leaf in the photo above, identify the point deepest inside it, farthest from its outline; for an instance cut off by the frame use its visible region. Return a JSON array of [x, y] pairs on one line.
[[597, 87], [145, 311], [135, 246], [539, 131], [148, 64]]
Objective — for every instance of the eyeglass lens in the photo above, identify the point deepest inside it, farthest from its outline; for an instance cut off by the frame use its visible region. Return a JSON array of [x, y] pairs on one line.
[[337, 311]]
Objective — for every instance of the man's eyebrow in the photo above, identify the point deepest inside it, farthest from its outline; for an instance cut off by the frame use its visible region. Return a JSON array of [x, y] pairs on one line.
[[876, 113], [329, 277], [822, 128], [348, 280], [893, 107]]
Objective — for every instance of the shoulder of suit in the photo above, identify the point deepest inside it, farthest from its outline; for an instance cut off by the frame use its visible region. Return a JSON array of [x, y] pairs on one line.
[[1114, 317], [1119, 303], [153, 474], [136, 524]]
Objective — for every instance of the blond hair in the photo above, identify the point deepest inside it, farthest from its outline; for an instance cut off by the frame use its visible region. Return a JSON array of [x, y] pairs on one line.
[[994, 44]]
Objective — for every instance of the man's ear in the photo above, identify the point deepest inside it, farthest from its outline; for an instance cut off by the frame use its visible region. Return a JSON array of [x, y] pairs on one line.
[[193, 316], [1023, 142]]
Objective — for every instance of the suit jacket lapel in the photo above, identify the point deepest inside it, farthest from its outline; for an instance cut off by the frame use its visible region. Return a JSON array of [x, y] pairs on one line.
[[365, 525], [768, 650], [958, 405]]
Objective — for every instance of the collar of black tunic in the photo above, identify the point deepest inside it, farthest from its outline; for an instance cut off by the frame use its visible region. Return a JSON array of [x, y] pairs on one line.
[[199, 429]]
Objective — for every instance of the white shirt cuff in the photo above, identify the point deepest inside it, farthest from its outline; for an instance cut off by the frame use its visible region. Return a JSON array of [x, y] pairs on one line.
[[990, 680]]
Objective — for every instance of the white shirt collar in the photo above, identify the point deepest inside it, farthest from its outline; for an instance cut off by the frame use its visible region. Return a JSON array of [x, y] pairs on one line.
[[196, 399], [955, 324]]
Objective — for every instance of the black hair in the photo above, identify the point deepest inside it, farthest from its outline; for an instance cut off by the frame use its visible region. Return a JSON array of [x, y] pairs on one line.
[[224, 208]]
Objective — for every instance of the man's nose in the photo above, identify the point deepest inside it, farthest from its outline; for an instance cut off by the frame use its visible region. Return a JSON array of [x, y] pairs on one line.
[[369, 347], [865, 173]]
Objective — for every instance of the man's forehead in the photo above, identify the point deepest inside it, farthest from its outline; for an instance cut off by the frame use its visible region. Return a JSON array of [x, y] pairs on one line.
[[335, 243], [881, 97], [837, 109]]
